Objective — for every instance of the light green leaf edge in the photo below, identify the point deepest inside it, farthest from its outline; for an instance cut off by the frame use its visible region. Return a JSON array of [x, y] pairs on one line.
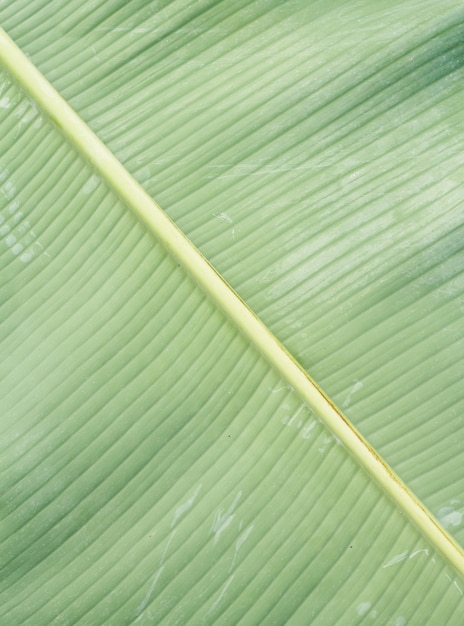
[[222, 294]]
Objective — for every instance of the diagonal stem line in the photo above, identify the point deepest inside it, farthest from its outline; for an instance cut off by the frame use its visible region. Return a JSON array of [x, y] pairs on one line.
[[222, 294]]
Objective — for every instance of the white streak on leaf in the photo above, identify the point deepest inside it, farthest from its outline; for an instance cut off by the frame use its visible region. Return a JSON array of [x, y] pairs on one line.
[[139, 610], [239, 543], [221, 595], [356, 387], [363, 608], [223, 520], [183, 508], [396, 559], [413, 554], [289, 420], [145, 600], [90, 185], [306, 432], [448, 516]]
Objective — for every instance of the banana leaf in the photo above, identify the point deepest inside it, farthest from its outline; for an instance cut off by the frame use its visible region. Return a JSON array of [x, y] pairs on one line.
[[165, 459]]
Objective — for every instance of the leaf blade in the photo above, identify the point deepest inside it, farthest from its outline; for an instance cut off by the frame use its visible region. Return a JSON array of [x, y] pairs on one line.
[[384, 592]]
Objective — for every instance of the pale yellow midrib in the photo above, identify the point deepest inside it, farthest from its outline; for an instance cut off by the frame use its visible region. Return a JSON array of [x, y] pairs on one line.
[[109, 168]]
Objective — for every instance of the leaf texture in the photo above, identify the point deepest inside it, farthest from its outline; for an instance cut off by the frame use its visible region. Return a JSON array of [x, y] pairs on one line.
[[157, 469], [334, 130]]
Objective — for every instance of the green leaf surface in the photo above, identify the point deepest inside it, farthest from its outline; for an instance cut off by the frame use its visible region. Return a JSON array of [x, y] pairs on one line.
[[155, 467], [335, 131]]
